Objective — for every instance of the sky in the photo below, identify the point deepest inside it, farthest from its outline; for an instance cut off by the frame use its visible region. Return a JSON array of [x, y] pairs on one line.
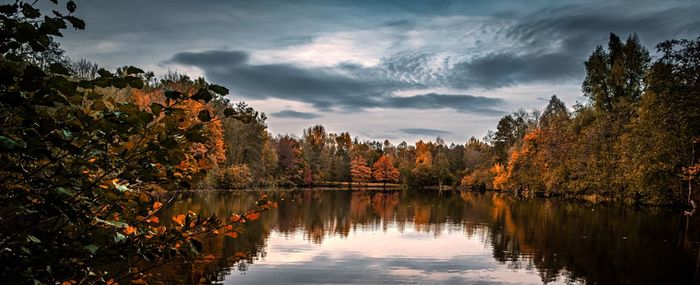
[[397, 70]]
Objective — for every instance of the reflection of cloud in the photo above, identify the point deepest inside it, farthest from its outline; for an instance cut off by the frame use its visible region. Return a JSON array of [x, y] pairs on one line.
[[364, 257]]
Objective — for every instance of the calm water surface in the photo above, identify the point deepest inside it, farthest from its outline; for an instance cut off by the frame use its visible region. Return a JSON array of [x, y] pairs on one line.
[[385, 237]]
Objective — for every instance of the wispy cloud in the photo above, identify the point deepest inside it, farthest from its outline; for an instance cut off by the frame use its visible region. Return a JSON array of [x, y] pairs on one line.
[[294, 114], [424, 132]]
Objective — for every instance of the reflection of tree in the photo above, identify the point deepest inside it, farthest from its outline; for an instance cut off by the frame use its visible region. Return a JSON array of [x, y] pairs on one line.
[[554, 238]]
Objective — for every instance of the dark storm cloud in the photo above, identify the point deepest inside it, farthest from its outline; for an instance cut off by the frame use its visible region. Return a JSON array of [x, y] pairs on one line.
[[324, 88], [462, 103], [423, 132], [504, 69], [581, 28], [294, 114], [556, 41]]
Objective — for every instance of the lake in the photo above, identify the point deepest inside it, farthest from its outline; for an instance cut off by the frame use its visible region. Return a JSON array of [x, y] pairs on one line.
[[400, 237]]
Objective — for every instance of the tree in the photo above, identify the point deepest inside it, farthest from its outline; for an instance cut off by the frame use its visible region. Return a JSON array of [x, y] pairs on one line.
[[660, 143], [384, 170], [290, 163], [313, 147], [359, 170]]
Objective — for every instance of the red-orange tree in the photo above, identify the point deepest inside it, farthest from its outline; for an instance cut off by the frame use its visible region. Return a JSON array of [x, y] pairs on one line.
[[384, 170], [360, 172]]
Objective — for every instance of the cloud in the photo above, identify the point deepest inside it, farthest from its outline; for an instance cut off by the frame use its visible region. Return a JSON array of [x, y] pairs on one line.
[[461, 103], [551, 44], [294, 115], [346, 87], [505, 69], [423, 131]]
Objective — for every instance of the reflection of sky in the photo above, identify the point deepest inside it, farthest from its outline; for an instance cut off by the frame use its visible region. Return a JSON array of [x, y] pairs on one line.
[[369, 256]]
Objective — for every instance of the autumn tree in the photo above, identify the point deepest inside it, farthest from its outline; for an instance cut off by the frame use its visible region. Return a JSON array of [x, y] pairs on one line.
[[361, 173], [290, 163], [313, 147], [384, 170]]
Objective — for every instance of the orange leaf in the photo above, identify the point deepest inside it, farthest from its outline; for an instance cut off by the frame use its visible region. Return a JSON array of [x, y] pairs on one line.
[[179, 219], [130, 230], [253, 216], [157, 205], [235, 218], [232, 234], [154, 220]]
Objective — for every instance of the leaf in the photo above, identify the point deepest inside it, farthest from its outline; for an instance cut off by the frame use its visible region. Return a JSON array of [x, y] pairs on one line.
[[252, 216], [70, 6], [8, 143], [172, 94], [203, 94], [179, 219], [65, 191], [218, 89], [157, 205], [129, 230], [119, 237], [91, 247], [30, 12], [204, 116], [78, 24], [33, 239], [232, 234]]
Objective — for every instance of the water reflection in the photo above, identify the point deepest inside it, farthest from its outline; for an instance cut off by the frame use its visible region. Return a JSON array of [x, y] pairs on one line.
[[353, 237]]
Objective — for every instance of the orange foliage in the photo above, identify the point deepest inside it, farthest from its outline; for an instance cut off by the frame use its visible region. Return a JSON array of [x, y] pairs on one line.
[[199, 156], [532, 136], [423, 155], [501, 176], [384, 170], [359, 170]]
